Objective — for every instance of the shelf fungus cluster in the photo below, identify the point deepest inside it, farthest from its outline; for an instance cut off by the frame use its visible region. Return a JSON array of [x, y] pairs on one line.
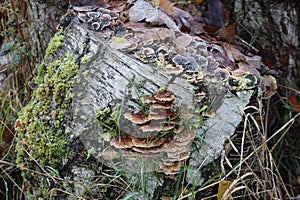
[[99, 19], [159, 137], [164, 57]]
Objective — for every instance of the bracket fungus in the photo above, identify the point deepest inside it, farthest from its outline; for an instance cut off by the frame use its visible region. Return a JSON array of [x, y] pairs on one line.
[[159, 134], [97, 17]]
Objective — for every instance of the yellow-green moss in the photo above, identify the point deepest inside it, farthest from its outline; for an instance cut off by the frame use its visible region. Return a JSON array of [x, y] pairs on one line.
[[85, 59], [53, 45], [42, 133]]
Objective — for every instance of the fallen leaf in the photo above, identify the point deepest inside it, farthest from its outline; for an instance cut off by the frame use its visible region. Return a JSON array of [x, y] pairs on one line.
[[293, 102], [211, 30], [267, 63], [227, 33], [232, 53], [271, 85], [166, 34], [149, 37], [118, 6], [183, 41], [136, 26], [166, 6], [96, 3], [185, 21], [143, 10], [210, 113], [223, 186], [7, 134]]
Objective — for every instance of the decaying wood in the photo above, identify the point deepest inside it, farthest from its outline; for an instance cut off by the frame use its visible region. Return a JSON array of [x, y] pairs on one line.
[[109, 77], [112, 77]]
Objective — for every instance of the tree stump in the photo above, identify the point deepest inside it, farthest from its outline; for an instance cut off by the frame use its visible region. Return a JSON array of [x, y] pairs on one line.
[[93, 78]]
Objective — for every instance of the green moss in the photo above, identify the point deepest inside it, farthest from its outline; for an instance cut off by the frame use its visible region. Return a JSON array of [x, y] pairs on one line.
[[84, 59], [163, 88], [54, 43], [42, 137], [77, 110], [53, 46]]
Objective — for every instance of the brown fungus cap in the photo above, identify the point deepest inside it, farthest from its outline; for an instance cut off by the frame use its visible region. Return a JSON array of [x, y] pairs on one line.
[[168, 117], [177, 157], [180, 60], [152, 150], [156, 127], [84, 8], [138, 118], [174, 70], [144, 143], [148, 99], [163, 105], [122, 143], [114, 15], [200, 96], [174, 148], [159, 114], [148, 51], [166, 96], [171, 170], [82, 17], [182, 138], [95, 26], [194, 77]]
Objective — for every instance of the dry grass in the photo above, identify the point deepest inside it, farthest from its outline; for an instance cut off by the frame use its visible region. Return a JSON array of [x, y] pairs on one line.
[[252, 167]]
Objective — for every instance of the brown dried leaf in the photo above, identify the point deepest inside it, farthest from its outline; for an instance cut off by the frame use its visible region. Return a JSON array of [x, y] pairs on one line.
[[233, 54], [212, 30], [136, 26], [293, 102], [118, 6], [166, 6], [7, 134], [227, 33], [95, 3], [271, 85], [223, 186], [143, 10], [183, 41]]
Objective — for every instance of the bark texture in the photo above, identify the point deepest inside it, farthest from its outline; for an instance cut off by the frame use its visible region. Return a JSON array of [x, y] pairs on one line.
[[273, 27]]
